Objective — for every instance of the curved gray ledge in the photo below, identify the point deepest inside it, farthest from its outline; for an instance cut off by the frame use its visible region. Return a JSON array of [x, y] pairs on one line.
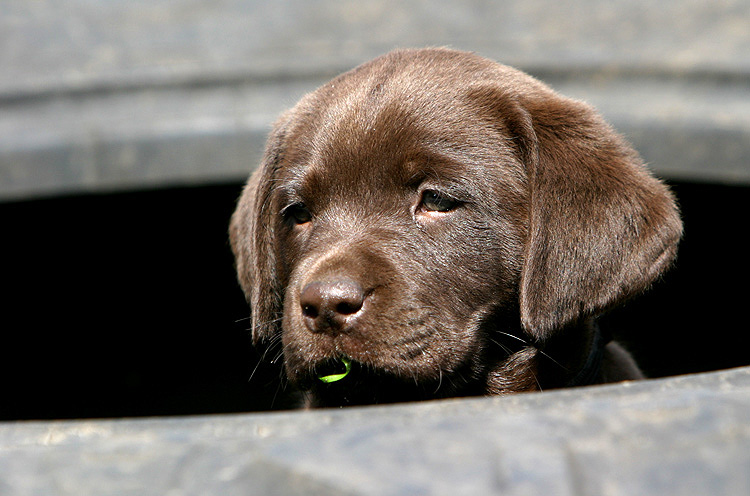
[[686, 435], [122, 94]]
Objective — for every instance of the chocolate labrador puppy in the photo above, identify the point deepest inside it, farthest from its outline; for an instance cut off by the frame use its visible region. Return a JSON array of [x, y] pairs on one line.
[[435, 224]]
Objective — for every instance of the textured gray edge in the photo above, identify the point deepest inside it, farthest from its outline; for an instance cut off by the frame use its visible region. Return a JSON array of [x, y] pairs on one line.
[[133, 94], [685, 435], [80, 46], [179, 136]]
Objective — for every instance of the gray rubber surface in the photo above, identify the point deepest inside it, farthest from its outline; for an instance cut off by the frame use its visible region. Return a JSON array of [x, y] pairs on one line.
[[687, 435], [101, 96]]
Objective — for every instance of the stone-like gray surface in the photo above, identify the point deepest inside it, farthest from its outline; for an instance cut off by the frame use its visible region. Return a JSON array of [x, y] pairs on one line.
[[686, 435], [129, 94], [79, 45]]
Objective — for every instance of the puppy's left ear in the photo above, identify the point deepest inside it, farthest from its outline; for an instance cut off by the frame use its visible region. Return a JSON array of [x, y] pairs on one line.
[[252, 239], [602, 228]]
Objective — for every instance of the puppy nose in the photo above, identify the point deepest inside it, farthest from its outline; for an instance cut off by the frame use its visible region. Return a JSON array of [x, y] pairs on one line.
[[328, 306]]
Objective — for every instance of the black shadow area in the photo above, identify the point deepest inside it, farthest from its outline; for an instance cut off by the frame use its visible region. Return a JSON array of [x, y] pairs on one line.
[[127, 304]]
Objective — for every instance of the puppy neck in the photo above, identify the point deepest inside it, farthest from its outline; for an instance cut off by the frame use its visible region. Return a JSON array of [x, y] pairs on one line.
[[590, 372], [575, 356]]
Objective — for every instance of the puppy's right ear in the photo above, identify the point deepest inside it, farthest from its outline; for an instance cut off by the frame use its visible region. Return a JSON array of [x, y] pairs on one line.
[[602, 228], [251, 238]]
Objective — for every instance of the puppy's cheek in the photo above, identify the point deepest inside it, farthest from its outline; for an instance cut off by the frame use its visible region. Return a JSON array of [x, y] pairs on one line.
[[298, 343], [300, 357]]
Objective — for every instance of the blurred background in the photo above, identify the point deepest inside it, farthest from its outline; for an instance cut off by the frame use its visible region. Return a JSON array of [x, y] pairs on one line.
[[128, 127]]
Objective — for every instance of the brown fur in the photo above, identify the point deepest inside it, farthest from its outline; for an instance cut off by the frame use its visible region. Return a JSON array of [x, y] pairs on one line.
[[555, 221]]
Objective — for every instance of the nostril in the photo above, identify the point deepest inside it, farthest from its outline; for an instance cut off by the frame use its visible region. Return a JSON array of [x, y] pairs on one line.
[[309, 310], [348, 307]]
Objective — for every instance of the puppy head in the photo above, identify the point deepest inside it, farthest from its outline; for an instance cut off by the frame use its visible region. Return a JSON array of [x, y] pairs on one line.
[[410, 210]]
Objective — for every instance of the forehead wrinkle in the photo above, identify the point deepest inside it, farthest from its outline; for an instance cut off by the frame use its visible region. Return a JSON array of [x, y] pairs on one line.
[[352, 111], [355, 146]]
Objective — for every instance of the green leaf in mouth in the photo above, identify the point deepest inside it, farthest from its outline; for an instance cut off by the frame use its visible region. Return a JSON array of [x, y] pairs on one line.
[[337, 377]]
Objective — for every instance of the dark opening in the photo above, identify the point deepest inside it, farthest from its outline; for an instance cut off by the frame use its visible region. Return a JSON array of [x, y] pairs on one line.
[[126, 304]]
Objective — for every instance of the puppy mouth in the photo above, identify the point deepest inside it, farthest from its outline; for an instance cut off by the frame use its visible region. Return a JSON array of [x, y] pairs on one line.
[[341, 381], [334, 370]]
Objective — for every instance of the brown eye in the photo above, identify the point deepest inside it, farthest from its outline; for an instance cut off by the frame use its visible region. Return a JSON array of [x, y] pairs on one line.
[[434, 201], [298, 213]]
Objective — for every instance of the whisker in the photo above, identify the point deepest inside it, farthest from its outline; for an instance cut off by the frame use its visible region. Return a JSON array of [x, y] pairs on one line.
[[252, 374], [280, 387], [273, 344], [553, 360], [502, 346], [264, 356], [278, 356], [538, 384], [535, 347], [270, 322], [440, 380], [514, 337]]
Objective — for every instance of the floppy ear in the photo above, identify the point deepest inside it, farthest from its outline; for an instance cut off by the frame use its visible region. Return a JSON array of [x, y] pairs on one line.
[[602, 228], [251, 238]]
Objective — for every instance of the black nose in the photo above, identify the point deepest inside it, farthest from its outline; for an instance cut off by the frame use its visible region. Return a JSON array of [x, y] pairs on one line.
[[331, 306]]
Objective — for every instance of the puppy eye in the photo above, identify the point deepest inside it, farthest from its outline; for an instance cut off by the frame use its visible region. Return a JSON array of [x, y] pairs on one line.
[[434, 201], [298, 213]]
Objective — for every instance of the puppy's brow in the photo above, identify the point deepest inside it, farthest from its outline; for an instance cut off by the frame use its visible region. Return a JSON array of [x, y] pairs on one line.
[[290, 191], [437, 167]]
